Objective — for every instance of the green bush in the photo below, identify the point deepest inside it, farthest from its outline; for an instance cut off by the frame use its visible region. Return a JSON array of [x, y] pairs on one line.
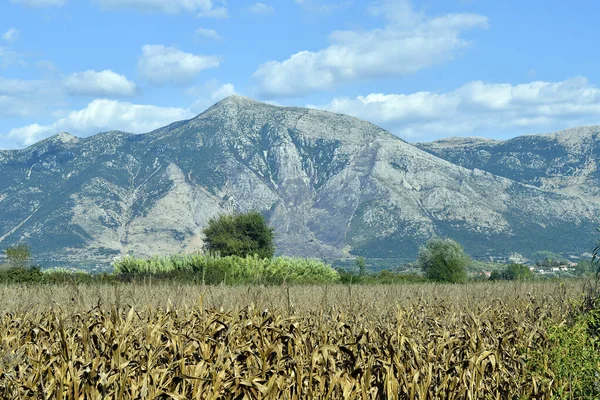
[[35, 275], [513, 272], [240, 235], [21, 275], [230, 270], [443, 260], [570, 360]]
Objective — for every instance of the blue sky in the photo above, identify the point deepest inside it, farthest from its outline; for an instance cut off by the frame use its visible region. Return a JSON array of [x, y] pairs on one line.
[[422, 69]]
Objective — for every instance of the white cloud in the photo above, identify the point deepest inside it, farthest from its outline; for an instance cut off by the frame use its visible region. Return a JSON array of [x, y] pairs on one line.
[[26, 98], [160, 64], [261, 9], [217, 13], [409, 42], [322, 6], [10, 57], [41, 3], [208, 94], [103, 83], [101, 115], [208, 33], [11, 35], [166, 6], [222, 92], [480, 108]]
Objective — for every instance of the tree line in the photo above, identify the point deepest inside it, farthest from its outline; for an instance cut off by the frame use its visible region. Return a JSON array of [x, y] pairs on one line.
[[248, 235]]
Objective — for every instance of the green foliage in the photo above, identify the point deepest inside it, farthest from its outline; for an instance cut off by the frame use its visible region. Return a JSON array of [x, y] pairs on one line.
[[443, 260], [21, 275], [240, 235], [484, 266], [584, 267], [591, 287], [596, 260], [361, 265], [570, 359], [513, 272], [382, 277], [35, 275], [231, 269], [547, 258], [18, 256]]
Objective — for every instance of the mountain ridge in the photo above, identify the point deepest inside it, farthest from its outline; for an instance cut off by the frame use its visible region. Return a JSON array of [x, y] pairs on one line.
[[565, 161], [332, 186]]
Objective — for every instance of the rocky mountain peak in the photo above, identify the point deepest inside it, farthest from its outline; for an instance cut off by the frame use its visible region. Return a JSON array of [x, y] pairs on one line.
[[238, 99], [232, 104], [61, 138], [64, 137], [575, 138], [330, 184]]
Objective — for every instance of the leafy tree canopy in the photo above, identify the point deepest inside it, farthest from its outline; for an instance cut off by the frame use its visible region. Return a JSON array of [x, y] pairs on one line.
[[443, 260], [18, 256], [240, 235]]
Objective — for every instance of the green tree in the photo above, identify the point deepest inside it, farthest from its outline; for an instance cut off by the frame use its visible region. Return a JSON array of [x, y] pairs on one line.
[[583, 267], [361, 265], [517, 272], [496, 276], [443, 260], [240, 235], [18, 256]]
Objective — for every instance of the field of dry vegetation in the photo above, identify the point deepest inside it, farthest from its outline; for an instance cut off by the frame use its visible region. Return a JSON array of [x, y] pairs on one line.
[[420, 341]]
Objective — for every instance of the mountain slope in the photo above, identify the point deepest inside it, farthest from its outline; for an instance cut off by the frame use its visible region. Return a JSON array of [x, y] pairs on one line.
[[330, 185], [565, 161]]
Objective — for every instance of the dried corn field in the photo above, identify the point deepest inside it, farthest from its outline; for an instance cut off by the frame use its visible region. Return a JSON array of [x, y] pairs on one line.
[[152, 341]]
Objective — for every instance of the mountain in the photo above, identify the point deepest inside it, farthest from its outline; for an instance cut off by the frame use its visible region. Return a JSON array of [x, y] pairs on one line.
[[564, 162], [330, 184]]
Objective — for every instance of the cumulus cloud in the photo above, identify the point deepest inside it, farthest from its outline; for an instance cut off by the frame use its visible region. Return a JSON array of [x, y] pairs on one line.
[[103, 83], [205, 7], [26, 98], [160, 64], [11, 35], [409, 42], [101, 115], [208, 94], [41, 3], [30, 98], [261, 9], [208, 33], [479, 107]]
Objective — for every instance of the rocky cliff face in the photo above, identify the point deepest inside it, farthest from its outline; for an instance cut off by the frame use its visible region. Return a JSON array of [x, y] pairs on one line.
[[330, 184]]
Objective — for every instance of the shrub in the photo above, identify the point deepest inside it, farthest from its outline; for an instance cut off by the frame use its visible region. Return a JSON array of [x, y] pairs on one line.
[[21, 275], [572, 354], [240, 235], [443, 260], [231, 269]]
